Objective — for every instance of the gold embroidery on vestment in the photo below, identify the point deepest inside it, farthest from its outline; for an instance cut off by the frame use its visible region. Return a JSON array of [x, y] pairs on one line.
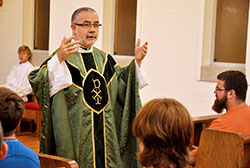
[[97, 91]]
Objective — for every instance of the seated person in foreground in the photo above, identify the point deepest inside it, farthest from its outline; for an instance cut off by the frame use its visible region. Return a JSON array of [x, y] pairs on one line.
[[230, 92], [17, 80], [3, 145], [164, 129], [11, 110]]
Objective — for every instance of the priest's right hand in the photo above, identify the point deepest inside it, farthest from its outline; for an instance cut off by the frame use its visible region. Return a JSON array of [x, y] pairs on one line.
[[67, 47]]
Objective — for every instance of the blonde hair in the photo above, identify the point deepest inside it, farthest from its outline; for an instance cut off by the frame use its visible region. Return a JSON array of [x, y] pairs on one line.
[[25, 48]]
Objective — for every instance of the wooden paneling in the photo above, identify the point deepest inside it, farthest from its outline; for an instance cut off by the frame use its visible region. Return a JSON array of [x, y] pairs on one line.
[[231, 31], [125, 27], [41, 36]]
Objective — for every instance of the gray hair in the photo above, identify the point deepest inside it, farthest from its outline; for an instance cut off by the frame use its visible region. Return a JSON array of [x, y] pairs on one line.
[[83, 9]]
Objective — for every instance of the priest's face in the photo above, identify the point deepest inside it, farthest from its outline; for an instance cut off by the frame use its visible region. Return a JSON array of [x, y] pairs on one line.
[[85, 28], [221, 97]]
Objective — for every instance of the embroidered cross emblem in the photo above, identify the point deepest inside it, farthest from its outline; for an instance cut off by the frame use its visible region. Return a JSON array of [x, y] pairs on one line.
[[96, 90]]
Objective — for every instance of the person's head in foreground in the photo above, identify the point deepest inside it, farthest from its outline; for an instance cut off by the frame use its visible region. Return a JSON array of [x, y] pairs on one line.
[[11, 110], [230, 90], [164, 129], [3, 145]]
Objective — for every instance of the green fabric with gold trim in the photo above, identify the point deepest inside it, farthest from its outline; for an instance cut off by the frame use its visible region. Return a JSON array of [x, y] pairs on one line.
[[91, 120]]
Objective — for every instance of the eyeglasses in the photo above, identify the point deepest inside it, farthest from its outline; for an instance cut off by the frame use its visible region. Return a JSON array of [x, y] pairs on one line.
[[89, 25], [218, 89]]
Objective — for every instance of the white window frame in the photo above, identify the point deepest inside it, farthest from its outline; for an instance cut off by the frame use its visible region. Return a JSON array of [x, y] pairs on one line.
[[209, 69]]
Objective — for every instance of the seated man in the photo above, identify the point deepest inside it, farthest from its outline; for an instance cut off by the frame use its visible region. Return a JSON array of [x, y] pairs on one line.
[[17, 80], [164, 129], [3, 145], [11, 110], [230, 92]]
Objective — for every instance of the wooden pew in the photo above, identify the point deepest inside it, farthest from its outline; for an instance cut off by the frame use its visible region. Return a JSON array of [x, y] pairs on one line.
[[50, 161], [221, 149], [200, 123], [32, 111]]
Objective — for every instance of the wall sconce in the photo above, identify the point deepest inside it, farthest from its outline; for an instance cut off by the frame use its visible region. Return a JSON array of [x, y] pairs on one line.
[[1, 3]]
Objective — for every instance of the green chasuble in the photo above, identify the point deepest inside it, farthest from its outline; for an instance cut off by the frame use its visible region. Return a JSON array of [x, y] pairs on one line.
[[91, 120]]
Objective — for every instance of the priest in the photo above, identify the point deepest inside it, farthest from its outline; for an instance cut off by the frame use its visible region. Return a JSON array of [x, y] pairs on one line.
[[88, 100]]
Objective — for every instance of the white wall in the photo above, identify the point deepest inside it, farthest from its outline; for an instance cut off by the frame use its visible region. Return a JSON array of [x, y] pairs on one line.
[[174, 31], [10, 35], [172, 28], [11, 28], [60, 19]]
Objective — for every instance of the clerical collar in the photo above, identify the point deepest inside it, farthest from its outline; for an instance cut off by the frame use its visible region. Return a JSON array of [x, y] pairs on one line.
[[85, 50]]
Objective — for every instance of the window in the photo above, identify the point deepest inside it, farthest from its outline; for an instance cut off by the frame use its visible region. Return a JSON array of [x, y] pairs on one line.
[[125, 27], [224, 37], [41, 26], [231, 31]]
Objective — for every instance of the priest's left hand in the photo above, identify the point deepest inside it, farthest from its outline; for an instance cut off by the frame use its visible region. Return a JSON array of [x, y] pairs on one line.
[[140, 51]]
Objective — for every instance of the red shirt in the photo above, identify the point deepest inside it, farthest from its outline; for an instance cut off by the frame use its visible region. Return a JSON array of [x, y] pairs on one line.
[[235, 120]]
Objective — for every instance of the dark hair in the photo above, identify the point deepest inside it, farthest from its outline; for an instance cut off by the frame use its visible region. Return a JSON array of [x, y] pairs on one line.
[[11, 110], [25, 48], [235, 80], [165, 128], [1, 136], [83, 9]]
